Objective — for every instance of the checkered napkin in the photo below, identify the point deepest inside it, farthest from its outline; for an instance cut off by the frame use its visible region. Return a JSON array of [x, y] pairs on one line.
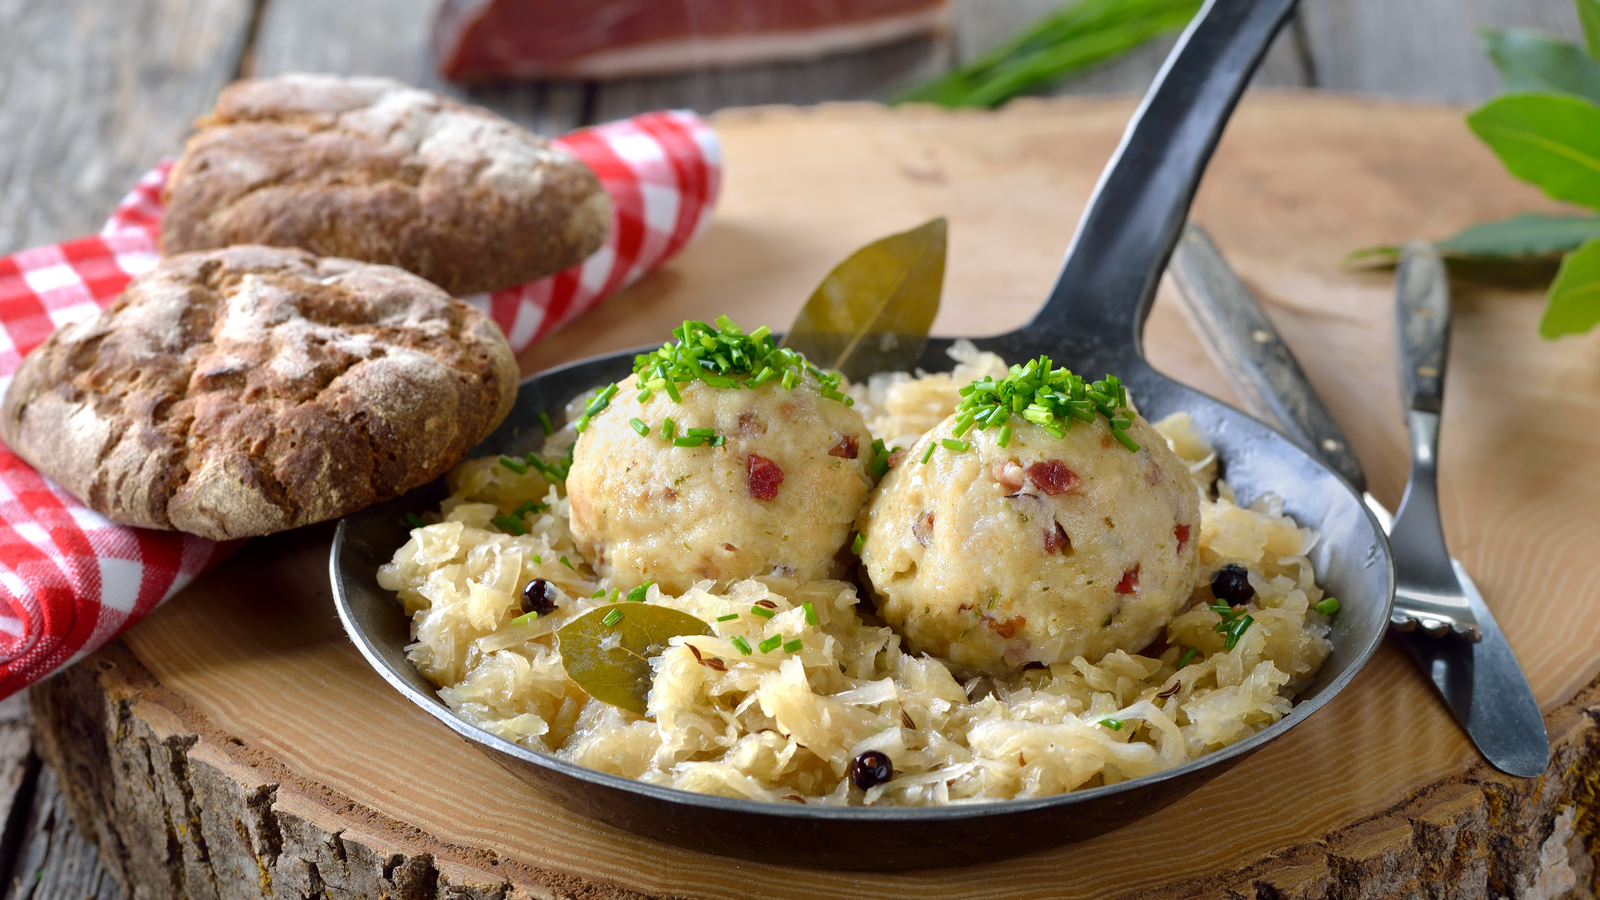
[[70, 579]]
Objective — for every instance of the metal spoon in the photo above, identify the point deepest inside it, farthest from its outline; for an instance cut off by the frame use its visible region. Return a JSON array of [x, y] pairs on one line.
[[1091, 322]]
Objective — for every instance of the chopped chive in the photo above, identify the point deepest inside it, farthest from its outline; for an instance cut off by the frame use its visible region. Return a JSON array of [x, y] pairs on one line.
[[701, 432], [790, 379], [511, 524], [669, 429], [1124, 440], [612, 617], [1187, 655], [529, 507], [718, 381], [794, 646], [672, 391], [415, 521], [568, 563], [537, 560], [1005, 436], [771, 643], [643, 395], [728, 618], [525, 618], [515, 465], [811, 612], [763, 612], [1327, 606], [952, 444], [616, 594], [544, 422], [1236, 629], [638, 594], [719, 440], [687, 441], [583, 423], [740, 644], [928, 454], [598, 594], [1113, 724], [639, 426], [858, 543]]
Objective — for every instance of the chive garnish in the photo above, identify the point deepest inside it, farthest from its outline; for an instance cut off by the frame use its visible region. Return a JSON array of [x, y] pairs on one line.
[[701, 432], [583, 424], [858, 543], [811, 612], [687, 441], [740, 644], [1113, 724], [598, 594], [793, 646], [530, 506], [879, 466], [568, 563], [525, 618], [1047, 397], [1234, 629], [515, 465], [1327, 606], [719, 440], [511, 524], [612, 617], [544, 422], [763, 612], [639, 426], [638, 594], [415, 521], [669, 429], [1187, 655], [929, 453], [728, 618], [771, 643]]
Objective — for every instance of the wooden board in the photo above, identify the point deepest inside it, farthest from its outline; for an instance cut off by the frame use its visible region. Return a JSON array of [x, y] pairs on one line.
[[235, 744]]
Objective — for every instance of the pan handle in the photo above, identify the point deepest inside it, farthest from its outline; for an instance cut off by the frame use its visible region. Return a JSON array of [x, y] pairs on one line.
[[1108, 281]]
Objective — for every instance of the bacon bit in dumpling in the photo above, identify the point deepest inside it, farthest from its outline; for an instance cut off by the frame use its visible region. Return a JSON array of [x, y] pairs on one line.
[[847, 448], [1006, 628], [1057, 540], [1129, 582], [750, 423], [1053, 478], [1181, 532], [1009, 474], [923, 529], [1153, 474], [763, 476]]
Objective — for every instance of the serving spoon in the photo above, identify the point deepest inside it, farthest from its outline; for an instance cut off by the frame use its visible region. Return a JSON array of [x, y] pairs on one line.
[[1092, 323]]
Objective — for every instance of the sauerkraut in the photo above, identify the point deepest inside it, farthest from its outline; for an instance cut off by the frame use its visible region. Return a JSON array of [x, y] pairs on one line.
[[784, 724]]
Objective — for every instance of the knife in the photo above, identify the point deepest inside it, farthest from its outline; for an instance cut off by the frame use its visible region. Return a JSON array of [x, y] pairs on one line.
[[1440, 617]]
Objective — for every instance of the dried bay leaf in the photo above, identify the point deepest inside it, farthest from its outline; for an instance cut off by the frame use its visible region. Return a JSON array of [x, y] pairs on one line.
[[873, 311], [621, 675]]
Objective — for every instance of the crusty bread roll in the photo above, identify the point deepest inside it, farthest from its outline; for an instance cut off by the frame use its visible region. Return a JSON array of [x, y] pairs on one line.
[[244, 391], [370, 169]]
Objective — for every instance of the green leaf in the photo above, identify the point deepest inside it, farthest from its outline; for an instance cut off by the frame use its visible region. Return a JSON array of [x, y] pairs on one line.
[[1530, 234], [1589, 15], [1072, 39], [873, 311], [1534, 62], [621, 675], [1552, 141], [1574, 299]]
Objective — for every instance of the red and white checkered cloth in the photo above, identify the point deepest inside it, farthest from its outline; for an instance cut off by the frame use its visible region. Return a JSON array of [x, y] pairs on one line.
[[70, 579]]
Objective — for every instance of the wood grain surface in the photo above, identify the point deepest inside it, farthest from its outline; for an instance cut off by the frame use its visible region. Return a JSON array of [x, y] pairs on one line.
[[235, 741]]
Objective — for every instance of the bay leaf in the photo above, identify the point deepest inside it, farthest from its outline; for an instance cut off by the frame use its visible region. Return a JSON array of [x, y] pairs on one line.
[[621, 675], [873, 311], [1533, 61], [1574, 299], [1549, 140], [1525, 237]]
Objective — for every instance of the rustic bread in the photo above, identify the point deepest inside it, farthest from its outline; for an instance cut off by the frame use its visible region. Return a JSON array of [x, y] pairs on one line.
[[245, 391], [370, 169]]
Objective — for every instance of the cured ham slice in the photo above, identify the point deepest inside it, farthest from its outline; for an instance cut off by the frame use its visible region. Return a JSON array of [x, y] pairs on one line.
[[480, 39]]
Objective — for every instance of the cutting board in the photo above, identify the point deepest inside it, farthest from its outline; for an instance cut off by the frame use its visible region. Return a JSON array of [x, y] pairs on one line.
[[235, 743]]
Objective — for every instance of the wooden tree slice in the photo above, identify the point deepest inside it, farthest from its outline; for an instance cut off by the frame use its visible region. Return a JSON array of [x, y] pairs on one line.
[[235, 743]]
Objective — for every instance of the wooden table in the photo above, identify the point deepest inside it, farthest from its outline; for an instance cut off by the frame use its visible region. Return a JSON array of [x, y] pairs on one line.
[[95, 91]]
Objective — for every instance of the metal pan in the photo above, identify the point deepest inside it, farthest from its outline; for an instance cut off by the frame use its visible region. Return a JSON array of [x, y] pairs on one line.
[[1092, 323]]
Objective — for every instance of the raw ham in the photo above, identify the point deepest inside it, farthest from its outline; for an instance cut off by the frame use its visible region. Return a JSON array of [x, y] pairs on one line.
[[479, 39]]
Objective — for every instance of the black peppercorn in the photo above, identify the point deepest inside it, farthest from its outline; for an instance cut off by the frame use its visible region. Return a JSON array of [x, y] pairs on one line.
[[870, 769], [1232, 583], [539, 597]]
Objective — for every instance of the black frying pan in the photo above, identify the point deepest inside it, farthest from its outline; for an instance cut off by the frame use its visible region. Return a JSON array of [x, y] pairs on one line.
[[1092, 323]]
